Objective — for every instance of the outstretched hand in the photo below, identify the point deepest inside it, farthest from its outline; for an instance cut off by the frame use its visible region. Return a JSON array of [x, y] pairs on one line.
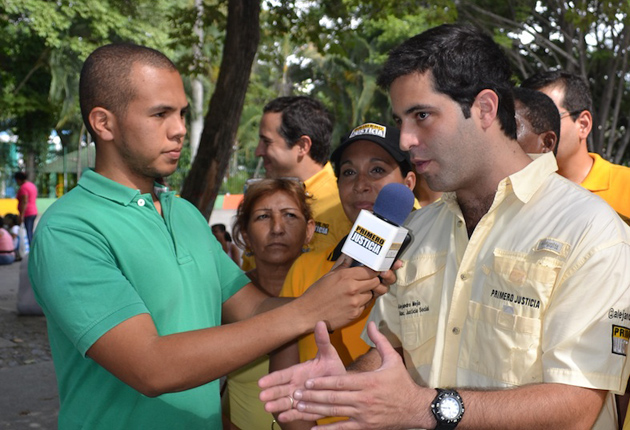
[[385, 398], [279, 387]]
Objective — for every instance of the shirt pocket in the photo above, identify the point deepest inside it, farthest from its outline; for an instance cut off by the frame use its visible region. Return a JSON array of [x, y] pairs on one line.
[[502, 346], [419, 293], [503, 329], [519, 283]]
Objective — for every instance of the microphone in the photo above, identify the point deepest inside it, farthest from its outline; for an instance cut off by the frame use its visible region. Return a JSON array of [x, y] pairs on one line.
[[376, 239]]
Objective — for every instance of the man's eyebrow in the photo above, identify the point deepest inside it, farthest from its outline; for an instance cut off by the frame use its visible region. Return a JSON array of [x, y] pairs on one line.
[[416, 108], [170, 108]]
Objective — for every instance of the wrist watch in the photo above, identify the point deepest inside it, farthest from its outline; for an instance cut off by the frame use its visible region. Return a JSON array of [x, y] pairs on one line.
[[447, 408]]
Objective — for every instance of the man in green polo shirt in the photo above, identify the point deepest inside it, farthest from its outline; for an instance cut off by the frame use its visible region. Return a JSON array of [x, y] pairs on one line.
[[132, 281]]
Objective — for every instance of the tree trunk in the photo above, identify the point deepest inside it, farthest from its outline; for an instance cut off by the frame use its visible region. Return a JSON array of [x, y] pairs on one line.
[[202, 184], [196, 124]]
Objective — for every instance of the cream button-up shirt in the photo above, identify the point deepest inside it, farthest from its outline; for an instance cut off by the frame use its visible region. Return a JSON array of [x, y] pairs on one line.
[[539, 293]]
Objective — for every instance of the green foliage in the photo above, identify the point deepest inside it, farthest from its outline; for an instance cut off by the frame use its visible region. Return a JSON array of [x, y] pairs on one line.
[[41, 53], [330, 49], [234, 184]]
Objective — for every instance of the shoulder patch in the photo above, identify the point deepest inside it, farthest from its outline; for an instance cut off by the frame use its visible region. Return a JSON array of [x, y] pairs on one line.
[[620, 337]]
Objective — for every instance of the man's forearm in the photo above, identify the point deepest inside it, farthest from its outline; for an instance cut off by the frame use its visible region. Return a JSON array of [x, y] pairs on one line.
[[540, 406], [271, 303], [153, 364]]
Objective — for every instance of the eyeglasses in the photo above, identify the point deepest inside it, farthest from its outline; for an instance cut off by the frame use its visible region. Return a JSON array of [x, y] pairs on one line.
[[571, 113], [252, 181]]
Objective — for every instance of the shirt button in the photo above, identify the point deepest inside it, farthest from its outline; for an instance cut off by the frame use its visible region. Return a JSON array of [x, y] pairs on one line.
[[456, 330], [463, 276], [460, 223], [141, 202]]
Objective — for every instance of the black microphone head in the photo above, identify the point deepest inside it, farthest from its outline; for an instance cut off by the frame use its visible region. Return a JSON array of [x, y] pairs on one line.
[[394, 203]]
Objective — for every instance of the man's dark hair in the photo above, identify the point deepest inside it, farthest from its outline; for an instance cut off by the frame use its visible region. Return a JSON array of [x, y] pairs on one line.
[[304, 116], [105, 77], [463, 61], [577, 96], [20, 176], [541, 112]]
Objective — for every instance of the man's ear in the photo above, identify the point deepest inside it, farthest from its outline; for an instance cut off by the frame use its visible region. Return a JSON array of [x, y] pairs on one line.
[[548, 141], [304, 145], [103, 123], [585, 124], [487, 102]]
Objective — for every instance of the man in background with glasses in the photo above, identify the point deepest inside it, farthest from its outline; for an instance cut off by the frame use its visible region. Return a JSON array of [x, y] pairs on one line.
[[571, 95]]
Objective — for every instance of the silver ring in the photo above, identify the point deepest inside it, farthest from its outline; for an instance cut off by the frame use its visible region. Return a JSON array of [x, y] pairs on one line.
[[291, 398]]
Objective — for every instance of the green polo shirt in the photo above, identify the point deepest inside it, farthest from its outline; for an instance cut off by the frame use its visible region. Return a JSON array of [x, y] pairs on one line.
[[103, 254]]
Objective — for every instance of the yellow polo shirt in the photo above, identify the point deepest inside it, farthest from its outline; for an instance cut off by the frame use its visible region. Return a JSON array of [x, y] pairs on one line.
[[539, 293], [611, 182], [331, 222]]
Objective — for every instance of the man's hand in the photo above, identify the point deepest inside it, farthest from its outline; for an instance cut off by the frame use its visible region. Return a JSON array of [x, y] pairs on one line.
[[386, 398], [387, 278], [342, 295], [279, 387]]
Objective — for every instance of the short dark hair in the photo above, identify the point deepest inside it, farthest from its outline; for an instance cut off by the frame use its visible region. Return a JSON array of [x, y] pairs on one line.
[[463, 61], [304, 116], [12, 219], [539, 110], [20, 176], [577, 96], [105, 81], [222, 229]]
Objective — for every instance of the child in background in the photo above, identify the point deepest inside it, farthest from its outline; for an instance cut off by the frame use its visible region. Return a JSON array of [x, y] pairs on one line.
[[13, 227]]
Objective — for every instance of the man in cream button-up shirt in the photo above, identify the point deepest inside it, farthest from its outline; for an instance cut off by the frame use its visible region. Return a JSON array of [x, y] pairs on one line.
[[520, 320]]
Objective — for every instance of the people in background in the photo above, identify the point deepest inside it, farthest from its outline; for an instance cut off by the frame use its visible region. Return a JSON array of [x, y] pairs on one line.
[[295, 138], [225, 240], [7, 250], [27, 203], [368, 158], [274, 221], [537, 121], [13, 226], [572, 97]]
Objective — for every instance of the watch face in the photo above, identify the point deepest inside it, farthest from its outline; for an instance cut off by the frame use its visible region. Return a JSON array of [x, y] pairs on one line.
[[449, 407]]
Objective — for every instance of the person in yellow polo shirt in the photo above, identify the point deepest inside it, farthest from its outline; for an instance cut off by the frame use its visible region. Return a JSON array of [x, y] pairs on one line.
[[295, 135], [368, 158], [571, 95]]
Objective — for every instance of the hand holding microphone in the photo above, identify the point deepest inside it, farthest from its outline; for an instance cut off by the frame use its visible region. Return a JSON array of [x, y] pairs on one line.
[[377, 239]]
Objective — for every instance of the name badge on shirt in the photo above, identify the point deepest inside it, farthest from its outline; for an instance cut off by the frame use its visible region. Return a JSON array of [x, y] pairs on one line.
[[321, 227], [552, 245]]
